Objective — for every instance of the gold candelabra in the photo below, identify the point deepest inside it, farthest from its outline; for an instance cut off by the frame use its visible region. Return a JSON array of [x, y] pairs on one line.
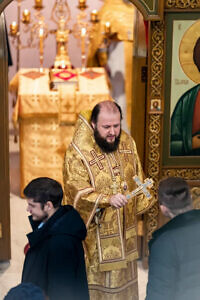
[[86, 31], [36, 28], [83, 30]]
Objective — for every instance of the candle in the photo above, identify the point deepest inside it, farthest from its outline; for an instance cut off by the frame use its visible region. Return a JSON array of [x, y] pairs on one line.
[[13, 28], [38, 4], [83, 33], [26, 16], [82, 4], [107, 28], [94, 16], [41, 37]]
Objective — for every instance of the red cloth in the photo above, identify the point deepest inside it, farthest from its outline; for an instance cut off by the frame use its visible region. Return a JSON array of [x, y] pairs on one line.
[[26, 248]]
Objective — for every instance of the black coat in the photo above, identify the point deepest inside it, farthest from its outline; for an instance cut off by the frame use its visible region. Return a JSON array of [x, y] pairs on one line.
[[174, 261], [55, 260]]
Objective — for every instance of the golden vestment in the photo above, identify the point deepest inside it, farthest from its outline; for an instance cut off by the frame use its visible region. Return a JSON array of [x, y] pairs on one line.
[[90, 178]]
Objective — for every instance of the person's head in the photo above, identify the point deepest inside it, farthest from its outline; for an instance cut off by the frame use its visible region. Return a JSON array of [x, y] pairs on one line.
[[44, 196], [106, 122], [196, 54], [174, 196], [25, 291]]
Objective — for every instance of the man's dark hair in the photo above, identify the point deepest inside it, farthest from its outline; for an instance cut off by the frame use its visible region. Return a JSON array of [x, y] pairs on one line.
[[44, 189], [196, 54], [25, 291], [96, 110], [174, 193]]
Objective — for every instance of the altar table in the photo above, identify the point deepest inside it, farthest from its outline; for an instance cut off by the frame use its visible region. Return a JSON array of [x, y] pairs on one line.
[[47, 117]]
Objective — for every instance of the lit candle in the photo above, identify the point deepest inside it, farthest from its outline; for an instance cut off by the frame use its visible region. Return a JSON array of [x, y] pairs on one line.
[[94, 16], [38, 3], [26, 16], [41, 37], [107, 28], [83, 33], [13, 28]]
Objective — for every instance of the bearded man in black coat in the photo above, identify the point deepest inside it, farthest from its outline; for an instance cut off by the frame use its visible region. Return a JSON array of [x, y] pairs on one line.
[[55, 258], [174, 261]]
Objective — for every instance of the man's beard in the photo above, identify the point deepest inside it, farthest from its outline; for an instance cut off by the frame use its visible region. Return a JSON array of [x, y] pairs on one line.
[[103, 144], [42, 218]]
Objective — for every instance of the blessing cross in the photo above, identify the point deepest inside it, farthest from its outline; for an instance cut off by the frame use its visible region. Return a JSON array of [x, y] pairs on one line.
[[142, 187]]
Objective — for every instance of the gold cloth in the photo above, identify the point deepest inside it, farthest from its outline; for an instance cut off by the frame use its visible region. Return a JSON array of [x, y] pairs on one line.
[[121, 17], [46, 118], [90, 178]]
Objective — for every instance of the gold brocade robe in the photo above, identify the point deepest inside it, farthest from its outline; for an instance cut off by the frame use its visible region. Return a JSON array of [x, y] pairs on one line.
[[90, 178]]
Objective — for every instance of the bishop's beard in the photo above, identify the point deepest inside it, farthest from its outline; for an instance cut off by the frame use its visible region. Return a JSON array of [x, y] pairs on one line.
[[103, 144]]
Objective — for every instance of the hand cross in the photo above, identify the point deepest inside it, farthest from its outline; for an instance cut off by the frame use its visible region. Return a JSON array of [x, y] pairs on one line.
[[142, 187]]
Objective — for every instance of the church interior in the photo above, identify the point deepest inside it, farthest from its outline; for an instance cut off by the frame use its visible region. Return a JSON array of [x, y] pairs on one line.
[[60, 57]]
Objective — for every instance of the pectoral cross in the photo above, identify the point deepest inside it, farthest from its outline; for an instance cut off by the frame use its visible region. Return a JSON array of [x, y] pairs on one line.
[[142, 187]]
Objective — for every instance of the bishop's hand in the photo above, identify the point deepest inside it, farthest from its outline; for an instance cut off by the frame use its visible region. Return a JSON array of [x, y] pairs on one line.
[[118, 200]]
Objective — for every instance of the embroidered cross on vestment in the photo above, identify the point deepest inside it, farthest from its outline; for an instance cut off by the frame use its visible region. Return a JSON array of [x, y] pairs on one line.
[[96, 159]]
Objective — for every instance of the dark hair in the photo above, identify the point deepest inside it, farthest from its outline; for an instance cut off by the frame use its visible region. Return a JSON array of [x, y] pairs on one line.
[[96, 111], [174, 193], [44, 189], [25, 291], [196, 54]]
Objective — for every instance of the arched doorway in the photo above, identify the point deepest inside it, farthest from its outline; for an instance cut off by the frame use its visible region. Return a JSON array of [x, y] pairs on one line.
[[4, 158]]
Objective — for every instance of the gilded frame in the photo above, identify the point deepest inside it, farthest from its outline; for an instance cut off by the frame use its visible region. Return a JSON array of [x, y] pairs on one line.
[[151, 9], [154, 165], [190, 172], [178, 28]]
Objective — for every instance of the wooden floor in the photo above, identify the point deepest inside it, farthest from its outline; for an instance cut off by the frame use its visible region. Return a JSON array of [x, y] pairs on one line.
[[10, 273]]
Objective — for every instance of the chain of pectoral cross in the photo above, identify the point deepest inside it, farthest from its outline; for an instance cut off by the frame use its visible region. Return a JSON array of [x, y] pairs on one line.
[[115, 186], [125, 151], [116, 173]]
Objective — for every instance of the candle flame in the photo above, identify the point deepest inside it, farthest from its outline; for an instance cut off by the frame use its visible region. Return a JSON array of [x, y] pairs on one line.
[[41, 32], [26, 11], [83, 31]]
